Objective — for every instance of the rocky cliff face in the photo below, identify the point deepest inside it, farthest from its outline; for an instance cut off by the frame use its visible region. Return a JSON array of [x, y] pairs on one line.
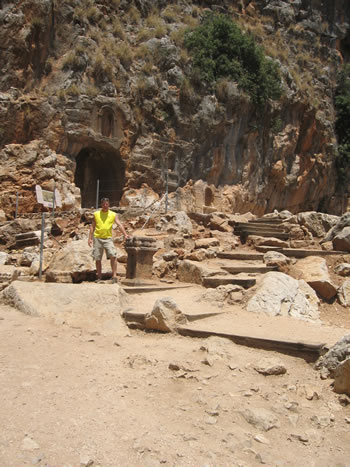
[[97, 93]]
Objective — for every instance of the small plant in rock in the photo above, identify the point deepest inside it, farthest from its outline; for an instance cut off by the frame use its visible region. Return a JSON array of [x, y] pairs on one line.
[[171, 13], [102, 70], [178, 36], [144, 34], [74, 61], [73, 90], [118, 30], [125, 54], [143, 52], [133, 15], [93, 14]]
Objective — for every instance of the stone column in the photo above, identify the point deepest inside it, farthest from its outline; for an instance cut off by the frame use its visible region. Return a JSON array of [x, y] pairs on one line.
[[140, 252]]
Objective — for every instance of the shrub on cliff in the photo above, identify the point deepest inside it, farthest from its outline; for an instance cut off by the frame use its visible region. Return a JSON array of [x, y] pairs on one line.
[[342, 124], [220, 49]]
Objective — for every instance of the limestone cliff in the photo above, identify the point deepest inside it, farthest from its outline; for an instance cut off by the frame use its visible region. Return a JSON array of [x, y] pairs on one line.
[[99, 91]]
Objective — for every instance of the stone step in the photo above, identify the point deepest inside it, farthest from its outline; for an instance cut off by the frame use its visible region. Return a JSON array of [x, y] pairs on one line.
[[262, 233], [301, 253], [310, 351], [259, 226], [248, 269], [26, 239], [215, 281], [266, 220], [136, 319], [240, 255], [140, 287]]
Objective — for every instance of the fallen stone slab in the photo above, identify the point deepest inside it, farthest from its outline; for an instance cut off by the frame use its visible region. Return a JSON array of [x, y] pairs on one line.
[[137, 319], [273, 227], [90, 306], [303, 253], [248, 269], [262, 233], [215, 281], [307, 350], [240, 255], [150, 288]]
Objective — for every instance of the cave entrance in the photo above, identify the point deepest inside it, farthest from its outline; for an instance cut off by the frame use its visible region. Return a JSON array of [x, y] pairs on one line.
[[102, 169]]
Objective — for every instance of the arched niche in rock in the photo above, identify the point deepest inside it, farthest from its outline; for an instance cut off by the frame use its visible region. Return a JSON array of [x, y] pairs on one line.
[[107, 167], [107, 120], [208, 196]]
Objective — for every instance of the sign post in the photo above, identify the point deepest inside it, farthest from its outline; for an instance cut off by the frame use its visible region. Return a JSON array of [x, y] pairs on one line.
[[49, 199], [41, 245]]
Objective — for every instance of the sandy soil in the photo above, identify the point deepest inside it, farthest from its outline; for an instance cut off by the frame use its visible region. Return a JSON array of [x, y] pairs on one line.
[[73, 397]]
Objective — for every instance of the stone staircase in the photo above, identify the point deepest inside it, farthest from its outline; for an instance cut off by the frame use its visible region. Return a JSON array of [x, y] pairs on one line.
[[262, 228]]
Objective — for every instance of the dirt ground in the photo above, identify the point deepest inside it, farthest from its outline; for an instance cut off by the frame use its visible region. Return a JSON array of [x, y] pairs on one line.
[[73, 397]]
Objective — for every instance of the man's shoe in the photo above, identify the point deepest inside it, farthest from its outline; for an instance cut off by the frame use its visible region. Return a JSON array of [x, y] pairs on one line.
[[114, 280]]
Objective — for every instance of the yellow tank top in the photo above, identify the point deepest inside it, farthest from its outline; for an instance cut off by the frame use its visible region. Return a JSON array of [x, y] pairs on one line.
[[104, 222]]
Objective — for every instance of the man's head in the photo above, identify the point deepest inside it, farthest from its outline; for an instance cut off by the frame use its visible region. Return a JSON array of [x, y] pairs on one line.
[[105, 204]]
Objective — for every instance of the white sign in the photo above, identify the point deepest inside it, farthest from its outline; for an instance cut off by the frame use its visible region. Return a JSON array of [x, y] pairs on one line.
[[47, 198]]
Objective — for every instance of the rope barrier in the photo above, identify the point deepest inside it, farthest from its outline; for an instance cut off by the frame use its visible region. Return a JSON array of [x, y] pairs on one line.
[[152, 212]]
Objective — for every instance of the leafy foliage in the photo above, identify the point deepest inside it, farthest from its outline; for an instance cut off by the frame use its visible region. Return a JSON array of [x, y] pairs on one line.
[[220, 49], [342, 124]]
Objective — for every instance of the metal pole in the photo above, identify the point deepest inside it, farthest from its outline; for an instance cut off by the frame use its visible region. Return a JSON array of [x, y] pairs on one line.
[[97, 192], [41, 245], [16, 205], [53, 199], [166, 185]]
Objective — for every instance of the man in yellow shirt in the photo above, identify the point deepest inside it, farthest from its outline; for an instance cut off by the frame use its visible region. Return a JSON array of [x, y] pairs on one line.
[[101, 238]]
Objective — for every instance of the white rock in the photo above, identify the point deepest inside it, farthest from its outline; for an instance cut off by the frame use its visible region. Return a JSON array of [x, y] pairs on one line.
[[280, 294]]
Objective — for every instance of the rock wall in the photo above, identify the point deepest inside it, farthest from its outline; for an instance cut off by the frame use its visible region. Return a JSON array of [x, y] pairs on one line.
[[125, 127]]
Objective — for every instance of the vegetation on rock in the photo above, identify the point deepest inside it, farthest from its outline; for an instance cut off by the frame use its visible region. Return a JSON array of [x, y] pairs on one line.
[[342, 124], [220, 49]]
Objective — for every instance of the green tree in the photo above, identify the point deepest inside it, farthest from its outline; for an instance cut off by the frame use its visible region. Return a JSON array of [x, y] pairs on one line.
[[220, 49]]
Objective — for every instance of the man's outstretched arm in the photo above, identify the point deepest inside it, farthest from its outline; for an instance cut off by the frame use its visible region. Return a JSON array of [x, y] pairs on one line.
[[91, 233]]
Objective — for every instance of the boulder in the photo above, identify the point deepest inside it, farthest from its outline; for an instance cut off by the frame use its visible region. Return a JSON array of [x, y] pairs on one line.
[[182, 222], [341, 241], [73, 263], [206, 242], [343, 222], [29, 255], [165, 316], [344, 293], [343, 269], [270, 366], [342, 378], [255, 240], [229, 293], [280, 294], [197, 255], [314, 271], [90, 306], [3, 257], [329, 362], [276, 259], [318, 223], [141, 198], [190, 271], [260, 418], [9, 273]]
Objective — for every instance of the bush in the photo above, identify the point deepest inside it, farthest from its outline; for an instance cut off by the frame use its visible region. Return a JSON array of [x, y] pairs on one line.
[[342, 123], [220, 49]]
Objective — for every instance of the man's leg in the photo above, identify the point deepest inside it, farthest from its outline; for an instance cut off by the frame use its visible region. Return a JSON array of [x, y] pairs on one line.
[[99, 269], [114, 267]]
